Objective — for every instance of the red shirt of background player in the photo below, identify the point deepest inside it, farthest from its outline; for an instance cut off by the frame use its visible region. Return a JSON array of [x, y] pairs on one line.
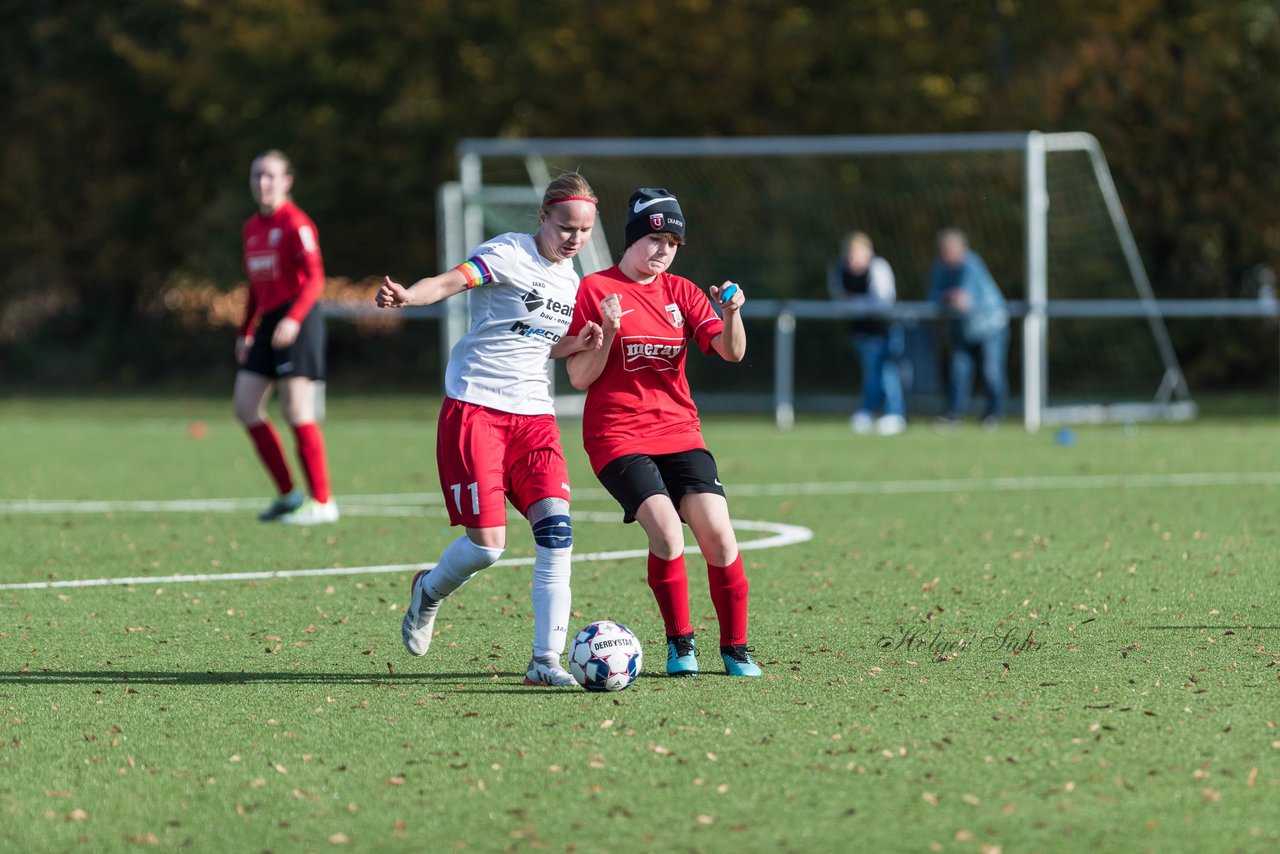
[[282, 261], [279, 349], [640, 403]]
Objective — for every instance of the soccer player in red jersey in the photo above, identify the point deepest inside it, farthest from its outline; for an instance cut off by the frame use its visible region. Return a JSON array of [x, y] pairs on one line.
[[497, 438], [281, 341], [641, 428]]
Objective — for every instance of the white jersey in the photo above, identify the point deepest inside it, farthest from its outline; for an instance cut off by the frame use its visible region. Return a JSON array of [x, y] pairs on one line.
[[521, 305]]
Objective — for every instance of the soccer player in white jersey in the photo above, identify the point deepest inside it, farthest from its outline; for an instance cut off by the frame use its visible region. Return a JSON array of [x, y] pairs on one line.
[[497, 438]]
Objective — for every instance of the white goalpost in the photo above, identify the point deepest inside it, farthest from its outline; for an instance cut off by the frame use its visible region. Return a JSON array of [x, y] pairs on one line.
[[1041, 208]]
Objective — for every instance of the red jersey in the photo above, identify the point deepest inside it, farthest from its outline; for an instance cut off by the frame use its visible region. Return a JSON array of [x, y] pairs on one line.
[[640, 403], [282, 261]]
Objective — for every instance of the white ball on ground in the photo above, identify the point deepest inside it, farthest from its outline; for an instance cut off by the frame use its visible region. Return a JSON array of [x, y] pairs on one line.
[[605, 656]]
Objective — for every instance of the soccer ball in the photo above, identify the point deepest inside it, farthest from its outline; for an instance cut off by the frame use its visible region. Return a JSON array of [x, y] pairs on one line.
[[605, 656]]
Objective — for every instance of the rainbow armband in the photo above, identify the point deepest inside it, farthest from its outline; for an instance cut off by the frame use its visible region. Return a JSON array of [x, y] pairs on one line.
[[475, 272]]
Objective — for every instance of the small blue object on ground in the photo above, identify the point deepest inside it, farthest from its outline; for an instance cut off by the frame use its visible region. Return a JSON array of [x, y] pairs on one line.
[[1065, 437]]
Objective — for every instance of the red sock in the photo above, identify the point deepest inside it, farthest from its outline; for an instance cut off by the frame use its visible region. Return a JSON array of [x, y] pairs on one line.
[[729, 595], [270, 451], [314, 463], [670, 587]]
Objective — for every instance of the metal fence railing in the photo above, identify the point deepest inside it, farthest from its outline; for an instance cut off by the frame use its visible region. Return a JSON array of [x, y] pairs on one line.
[[786, 315]]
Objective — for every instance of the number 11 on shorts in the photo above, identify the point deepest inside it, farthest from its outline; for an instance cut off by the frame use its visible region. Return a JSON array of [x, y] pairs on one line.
[[474, 489]]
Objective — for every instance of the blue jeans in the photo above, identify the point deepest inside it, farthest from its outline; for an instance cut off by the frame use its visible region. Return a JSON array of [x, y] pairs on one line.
[[881, 383], [992, 354]]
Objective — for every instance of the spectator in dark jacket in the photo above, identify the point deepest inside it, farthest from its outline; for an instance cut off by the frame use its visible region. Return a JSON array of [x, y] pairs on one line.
[[863, 279]]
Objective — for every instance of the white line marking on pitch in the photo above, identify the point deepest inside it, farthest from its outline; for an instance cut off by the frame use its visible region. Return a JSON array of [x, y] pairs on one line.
[[782, 535], [414, 504], [746, 490]]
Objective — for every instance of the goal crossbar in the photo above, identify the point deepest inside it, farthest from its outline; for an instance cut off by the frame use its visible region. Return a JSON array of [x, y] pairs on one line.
[[1034, 312]]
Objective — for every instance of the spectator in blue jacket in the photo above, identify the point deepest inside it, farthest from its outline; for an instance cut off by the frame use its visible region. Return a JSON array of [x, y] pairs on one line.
[[977, 326], [863, 279]]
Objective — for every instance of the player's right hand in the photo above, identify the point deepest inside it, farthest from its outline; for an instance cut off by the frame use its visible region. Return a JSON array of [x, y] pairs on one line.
[[243, 344], [591, 337], [391, 295], [611, 312]]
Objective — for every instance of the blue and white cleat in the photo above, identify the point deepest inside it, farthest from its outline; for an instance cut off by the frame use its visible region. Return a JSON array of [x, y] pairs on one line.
[[682, 656], [311, 512], [419, 619], [737, 661], [283, 505]]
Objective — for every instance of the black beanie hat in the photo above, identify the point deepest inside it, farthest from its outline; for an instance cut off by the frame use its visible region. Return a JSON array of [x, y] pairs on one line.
[[652, 210]]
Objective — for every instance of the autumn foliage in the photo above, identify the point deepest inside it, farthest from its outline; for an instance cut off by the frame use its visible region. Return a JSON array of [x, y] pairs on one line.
[[129, 127]]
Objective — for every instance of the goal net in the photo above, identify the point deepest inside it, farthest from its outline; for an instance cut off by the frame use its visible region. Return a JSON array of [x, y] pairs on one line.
[[1088, 342]]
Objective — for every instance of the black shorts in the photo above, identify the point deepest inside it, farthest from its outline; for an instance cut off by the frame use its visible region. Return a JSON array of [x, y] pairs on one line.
[[304, 358], [632, 478]]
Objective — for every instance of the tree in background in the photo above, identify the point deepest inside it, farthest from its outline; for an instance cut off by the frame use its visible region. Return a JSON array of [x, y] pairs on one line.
[[127, 126]]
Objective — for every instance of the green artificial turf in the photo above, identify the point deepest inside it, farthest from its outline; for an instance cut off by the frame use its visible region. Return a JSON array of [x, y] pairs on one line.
[[992, 642]]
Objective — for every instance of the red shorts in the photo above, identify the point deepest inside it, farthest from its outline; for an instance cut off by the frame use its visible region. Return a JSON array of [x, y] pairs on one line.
[[486, 456]]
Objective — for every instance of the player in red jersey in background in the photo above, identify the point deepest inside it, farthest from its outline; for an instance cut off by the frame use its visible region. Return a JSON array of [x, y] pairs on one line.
[[281, 341], [641, 428]]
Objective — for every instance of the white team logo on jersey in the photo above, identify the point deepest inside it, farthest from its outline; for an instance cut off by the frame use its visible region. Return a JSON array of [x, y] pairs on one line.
[[677, 319], [273, 237], [655, 354], [261, 266], [308, 238]]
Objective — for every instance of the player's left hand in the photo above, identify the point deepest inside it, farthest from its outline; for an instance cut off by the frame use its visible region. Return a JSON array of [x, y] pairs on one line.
[[735, 302], [286, 333], [611, 312]]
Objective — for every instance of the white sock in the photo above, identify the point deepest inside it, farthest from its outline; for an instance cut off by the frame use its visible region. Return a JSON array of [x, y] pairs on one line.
[[552, 600], [458, 565]]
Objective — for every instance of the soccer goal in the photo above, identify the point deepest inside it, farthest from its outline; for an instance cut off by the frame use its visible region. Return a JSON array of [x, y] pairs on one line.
[[1090, 340]]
